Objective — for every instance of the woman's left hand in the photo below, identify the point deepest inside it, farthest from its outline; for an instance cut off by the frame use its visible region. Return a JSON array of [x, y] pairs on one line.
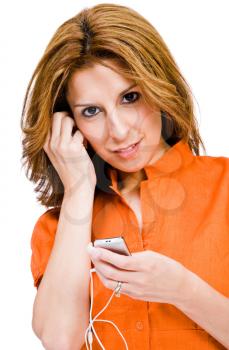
[[145, 275]]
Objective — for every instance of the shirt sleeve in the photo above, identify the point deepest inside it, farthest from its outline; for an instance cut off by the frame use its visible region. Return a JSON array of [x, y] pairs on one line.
[[41, 243]]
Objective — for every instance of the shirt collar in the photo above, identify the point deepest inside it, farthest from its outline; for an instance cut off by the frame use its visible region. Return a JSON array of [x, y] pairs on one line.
[[175, 158]]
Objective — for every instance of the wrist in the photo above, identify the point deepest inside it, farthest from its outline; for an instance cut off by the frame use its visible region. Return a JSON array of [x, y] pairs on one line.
[[79, 190], [77, 207], [81, 183], [80, 194], [187, 290]]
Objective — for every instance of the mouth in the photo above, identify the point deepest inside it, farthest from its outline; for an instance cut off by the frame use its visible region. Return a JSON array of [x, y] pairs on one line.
[[129, 151], [125, 148]]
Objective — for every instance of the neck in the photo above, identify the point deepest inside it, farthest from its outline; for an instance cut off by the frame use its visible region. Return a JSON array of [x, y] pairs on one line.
[[130, 182]]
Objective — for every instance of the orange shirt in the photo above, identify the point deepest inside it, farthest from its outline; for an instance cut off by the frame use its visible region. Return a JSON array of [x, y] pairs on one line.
[[185, 215]]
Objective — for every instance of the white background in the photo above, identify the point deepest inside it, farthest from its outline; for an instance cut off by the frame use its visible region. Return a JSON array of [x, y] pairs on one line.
[[196, 33]]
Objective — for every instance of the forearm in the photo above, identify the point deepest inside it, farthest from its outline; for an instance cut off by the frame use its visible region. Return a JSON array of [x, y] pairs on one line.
[[206, 306], [61, 308]]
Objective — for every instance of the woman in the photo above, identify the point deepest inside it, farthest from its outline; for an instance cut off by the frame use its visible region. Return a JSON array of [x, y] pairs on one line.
[[111, 140]]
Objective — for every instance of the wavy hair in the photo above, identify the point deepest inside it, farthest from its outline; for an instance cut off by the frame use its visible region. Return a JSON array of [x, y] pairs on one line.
[[95, 35]]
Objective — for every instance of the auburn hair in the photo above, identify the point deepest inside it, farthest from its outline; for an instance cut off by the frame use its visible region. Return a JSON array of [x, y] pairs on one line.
[[96, 35]]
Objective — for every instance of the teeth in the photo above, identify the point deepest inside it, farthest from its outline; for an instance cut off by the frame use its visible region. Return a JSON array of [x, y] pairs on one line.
[[127, 149]]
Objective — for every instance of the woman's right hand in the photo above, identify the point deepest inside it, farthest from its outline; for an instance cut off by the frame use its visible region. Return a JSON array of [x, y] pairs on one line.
[[68, 154]]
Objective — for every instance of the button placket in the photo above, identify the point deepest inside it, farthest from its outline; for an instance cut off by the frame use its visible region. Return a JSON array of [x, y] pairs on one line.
[[148, 215], [132, 217]]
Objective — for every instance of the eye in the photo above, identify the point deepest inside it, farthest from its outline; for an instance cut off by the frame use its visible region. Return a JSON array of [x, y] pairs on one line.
[[91, 110], [132, 96]]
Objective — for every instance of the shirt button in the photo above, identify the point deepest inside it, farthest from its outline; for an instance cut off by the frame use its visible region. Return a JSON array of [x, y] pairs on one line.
[[139, 325]]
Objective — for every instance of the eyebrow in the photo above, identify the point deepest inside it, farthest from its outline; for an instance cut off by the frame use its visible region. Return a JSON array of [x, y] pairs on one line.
[[121, 93]]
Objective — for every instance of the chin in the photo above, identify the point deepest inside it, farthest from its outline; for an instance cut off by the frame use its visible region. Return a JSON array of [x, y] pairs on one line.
[[129, 165], [130, 168]]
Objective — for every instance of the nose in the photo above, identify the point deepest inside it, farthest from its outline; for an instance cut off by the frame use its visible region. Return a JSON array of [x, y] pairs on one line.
[[117, 125]]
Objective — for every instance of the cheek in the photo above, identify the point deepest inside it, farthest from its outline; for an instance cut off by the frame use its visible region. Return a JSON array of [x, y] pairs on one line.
[[93, 131], [155, 125], [151, 121], [96, 138]]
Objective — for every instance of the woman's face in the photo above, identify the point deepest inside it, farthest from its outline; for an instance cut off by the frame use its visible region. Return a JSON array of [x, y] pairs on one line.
[[111, 114]]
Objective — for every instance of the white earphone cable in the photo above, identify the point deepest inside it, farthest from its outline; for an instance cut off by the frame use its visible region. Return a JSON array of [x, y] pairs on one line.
[[90, 329]]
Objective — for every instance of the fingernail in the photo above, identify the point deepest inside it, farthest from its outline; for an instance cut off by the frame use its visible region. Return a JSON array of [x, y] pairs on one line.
[[89, 246], [93, 252]]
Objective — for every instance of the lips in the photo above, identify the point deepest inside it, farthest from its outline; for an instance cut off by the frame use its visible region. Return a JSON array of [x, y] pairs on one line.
[[127, 148], [129, 152]]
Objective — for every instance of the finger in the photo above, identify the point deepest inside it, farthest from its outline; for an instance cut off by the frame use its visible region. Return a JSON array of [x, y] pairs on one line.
[[78, 136], [129, 263], [67, 125], [113, 273], [56, 125], [113, 284], [126, 288]]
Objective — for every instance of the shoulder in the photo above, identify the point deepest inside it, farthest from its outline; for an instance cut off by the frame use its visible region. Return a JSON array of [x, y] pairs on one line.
[[42, 241], [213, 165], [46, 224], [50, 215]]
